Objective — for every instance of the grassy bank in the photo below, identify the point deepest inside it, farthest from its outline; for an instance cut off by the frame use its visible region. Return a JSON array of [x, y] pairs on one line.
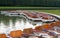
[[57, 12], [54, 10], [29, 8]]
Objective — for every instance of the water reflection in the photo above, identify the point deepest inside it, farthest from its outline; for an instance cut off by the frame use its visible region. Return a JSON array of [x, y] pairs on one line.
[[8, 24]]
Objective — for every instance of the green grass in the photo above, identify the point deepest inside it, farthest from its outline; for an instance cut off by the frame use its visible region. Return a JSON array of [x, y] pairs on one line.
[[57, 12], [27, 8]]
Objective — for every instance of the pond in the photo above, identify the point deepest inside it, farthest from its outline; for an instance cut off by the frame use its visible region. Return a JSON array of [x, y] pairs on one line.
[[8, 23]]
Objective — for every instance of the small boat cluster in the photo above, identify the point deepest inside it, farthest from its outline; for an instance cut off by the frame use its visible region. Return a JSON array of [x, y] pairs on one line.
[[49, 29], [33, 17]]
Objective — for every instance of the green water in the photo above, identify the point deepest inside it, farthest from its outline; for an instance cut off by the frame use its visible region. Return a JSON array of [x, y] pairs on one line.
[[5, 19]]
